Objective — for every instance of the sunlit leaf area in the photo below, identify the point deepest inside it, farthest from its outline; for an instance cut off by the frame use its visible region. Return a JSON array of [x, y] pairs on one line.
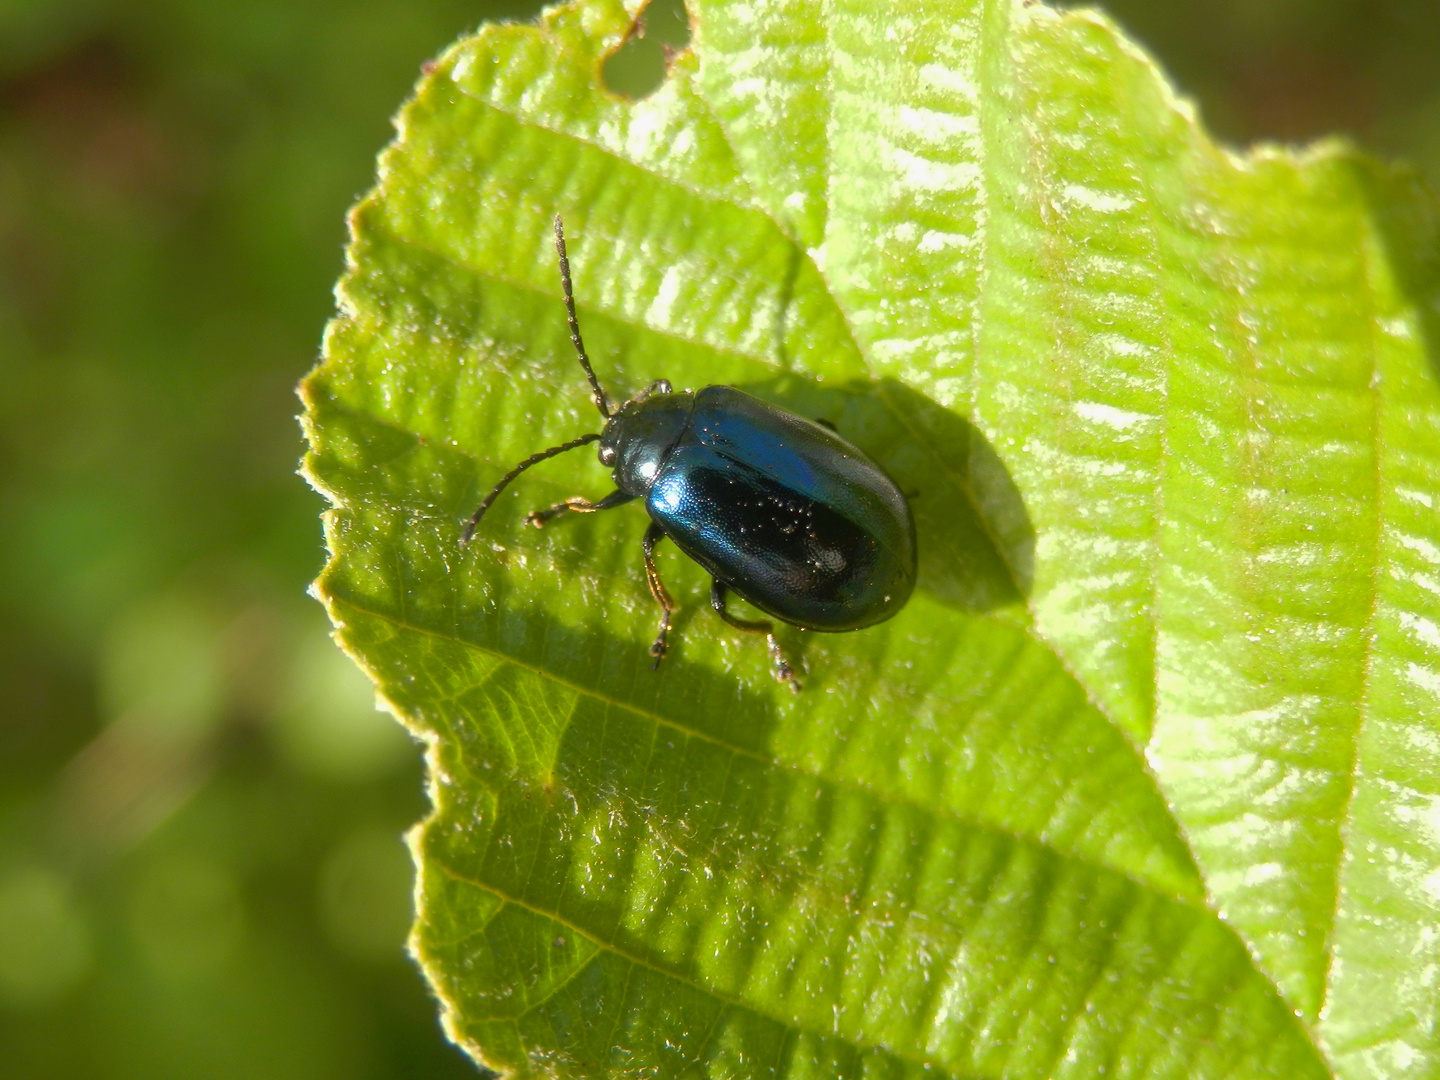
[[201, 809]]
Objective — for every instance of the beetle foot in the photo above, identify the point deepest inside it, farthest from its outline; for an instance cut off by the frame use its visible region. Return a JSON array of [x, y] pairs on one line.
[[538, 518], [783, 671], [661, 645]]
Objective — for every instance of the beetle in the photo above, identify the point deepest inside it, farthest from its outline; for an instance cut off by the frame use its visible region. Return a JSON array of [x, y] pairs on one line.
[[780, 510]]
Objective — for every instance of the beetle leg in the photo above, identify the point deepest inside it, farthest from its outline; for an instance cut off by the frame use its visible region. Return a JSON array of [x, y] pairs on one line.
[[579, 505], [653, 535], [783, 671]]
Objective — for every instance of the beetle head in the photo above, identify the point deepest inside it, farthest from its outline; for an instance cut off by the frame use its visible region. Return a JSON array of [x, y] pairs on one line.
[[638, 437]]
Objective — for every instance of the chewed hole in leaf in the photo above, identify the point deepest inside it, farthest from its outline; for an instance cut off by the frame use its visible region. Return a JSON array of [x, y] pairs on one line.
[[637, 68]]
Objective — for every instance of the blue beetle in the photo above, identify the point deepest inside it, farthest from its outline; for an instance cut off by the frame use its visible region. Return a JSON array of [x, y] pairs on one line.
[[778, 509]]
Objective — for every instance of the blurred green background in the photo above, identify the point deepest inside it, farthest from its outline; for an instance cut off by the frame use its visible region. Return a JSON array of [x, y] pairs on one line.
[[200, 866]]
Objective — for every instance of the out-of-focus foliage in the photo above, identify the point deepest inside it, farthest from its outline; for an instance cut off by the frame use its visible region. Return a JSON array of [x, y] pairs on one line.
[[195, 794], [201, 870], [1296, 70]]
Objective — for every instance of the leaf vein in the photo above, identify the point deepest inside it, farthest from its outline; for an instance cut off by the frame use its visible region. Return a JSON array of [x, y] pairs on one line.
[[636, 960], [839, 782]]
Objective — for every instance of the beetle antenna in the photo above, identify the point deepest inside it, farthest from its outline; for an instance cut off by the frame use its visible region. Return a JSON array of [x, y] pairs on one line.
[[533, 459], [601, 401]]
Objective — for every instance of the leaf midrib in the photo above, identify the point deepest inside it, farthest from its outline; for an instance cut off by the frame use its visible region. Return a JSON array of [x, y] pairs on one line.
[[1366, 675], [983, 77]]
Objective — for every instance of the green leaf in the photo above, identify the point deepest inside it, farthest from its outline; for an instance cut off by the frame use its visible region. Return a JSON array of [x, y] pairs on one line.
[[1144, 781]]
